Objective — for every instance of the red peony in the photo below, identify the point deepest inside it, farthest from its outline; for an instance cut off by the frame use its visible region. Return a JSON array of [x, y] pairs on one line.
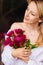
[[11, 43], [11, 33], [20, 40], [17, 39], [7, 41], [19, 31], [1, 36]]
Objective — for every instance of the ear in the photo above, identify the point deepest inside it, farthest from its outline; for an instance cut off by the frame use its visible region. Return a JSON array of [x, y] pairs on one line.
[[40, 20]]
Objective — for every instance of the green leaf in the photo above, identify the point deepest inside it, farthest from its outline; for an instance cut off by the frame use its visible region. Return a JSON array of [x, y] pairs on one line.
[[15, 47], [27, 43], [33, 46], [21, 46]]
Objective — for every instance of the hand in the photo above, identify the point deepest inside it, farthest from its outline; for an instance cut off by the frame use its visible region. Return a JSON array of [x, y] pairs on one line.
[[21, 53], [25, 59], [18, 52], [26, 55]]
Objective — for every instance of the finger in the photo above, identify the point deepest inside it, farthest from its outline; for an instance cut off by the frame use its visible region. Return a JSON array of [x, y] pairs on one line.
[[27, 50], [25, 55], [23, 48], [25, 59]]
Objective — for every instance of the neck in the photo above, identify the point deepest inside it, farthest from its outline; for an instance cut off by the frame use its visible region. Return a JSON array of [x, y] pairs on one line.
[[32, 26]]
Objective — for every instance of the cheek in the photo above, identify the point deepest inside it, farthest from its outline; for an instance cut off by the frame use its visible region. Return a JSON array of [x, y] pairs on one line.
[[36, 19], [33, 19]]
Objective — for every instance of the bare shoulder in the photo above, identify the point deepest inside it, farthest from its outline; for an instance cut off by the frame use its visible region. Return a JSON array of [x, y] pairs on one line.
[[16, 25]]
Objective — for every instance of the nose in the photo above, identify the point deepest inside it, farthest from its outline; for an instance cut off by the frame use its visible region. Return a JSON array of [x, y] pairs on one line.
[[28, 12]]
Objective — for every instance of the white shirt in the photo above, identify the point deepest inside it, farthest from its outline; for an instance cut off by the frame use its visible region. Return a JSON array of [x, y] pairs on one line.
[[36, 58]]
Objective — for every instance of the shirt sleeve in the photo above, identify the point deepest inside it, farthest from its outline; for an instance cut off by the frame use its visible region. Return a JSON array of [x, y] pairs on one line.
[[6, 56], [36, 57], [34, 62]]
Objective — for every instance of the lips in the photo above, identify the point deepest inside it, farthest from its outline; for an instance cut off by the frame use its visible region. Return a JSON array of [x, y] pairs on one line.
[[26, 18]]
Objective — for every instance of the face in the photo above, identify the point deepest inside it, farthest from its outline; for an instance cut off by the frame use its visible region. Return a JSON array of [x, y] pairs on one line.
[[31, 14]]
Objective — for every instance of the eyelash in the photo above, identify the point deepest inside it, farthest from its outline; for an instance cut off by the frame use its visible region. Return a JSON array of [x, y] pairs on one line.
[[32, 14]]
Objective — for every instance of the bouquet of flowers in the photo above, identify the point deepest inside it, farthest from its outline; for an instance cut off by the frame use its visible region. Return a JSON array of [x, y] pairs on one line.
[[17, 39]]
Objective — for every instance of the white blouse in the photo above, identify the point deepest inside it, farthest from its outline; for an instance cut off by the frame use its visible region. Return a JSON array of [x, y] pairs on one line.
[[36, 58]]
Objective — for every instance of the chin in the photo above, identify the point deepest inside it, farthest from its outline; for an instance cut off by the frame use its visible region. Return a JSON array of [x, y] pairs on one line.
[[25, 21], [28, 21]]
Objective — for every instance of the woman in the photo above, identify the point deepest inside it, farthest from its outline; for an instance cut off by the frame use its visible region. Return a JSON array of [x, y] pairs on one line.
[[21, 56]]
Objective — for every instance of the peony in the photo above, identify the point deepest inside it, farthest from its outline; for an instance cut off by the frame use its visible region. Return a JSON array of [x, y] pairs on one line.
[[1, 36], [20, 40], [19, 31], [7, 41], [11, 43], [17, 39], [11, 33]]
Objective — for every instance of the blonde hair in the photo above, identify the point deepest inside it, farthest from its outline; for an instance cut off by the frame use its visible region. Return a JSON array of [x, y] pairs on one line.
[[39, 4]]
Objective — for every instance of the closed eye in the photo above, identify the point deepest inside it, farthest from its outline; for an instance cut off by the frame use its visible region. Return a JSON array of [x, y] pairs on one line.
[[32, 13]]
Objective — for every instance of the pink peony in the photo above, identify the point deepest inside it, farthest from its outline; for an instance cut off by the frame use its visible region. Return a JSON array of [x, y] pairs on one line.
[[16, 39], [18, 31], [23, 39], [19, 40], [7, 41], [11, 33], [11, 43]]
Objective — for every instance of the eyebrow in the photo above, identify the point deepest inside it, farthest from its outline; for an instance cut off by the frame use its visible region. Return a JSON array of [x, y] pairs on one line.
[[34, 12], [31, 11]]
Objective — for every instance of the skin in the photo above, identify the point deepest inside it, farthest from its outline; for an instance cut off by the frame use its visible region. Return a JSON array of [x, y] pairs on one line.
[[19, 53], [30, 25], [31, 14]]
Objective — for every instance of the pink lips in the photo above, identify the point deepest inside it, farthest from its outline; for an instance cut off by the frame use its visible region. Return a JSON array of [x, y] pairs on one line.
[[26, 18]]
